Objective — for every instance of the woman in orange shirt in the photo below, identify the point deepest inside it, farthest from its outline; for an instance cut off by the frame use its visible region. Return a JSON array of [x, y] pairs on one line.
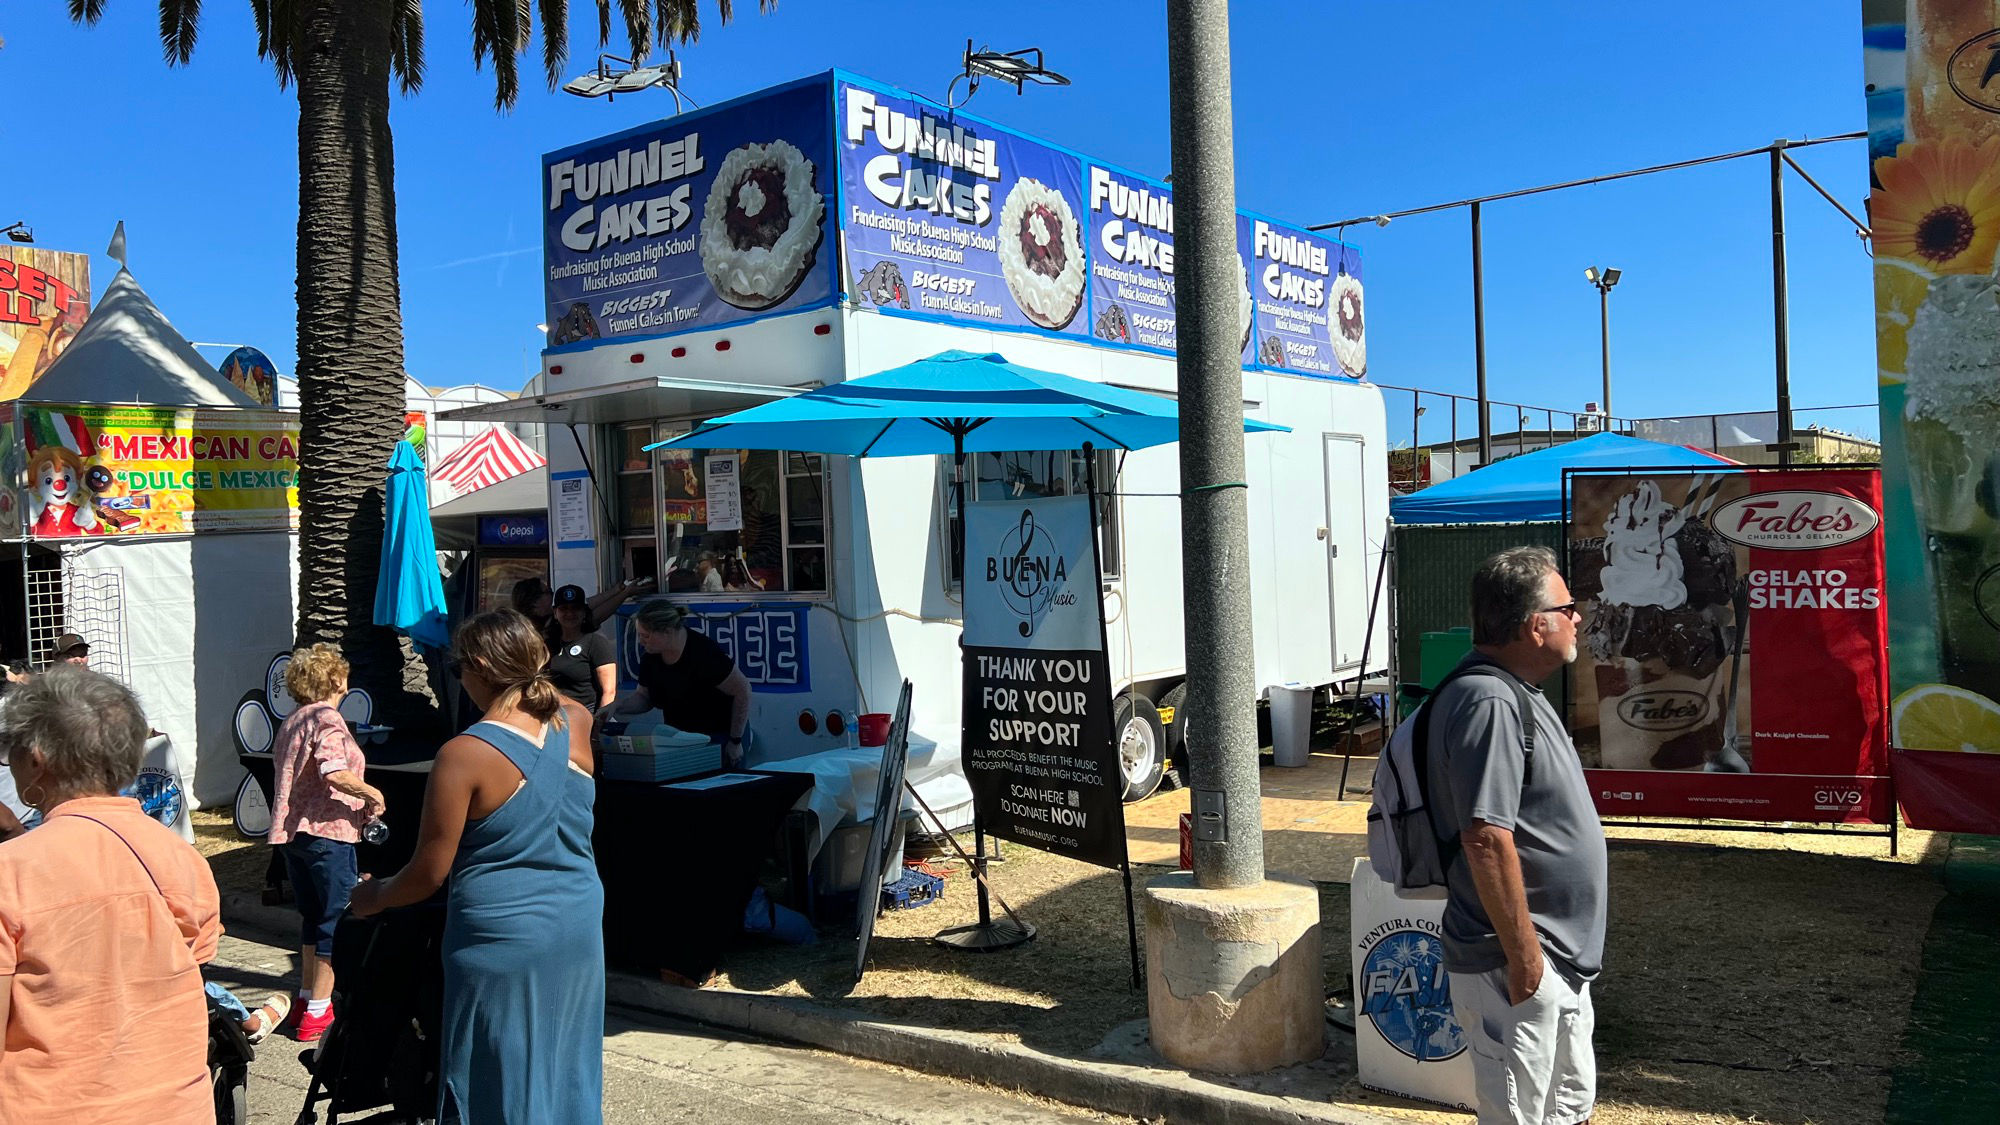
[[105, 917]]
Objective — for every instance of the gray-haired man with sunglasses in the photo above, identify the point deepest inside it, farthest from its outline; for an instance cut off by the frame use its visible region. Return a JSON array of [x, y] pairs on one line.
[[1524, 920]]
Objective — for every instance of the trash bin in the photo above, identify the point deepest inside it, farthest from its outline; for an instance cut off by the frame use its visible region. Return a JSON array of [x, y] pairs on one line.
[[1291, 724]]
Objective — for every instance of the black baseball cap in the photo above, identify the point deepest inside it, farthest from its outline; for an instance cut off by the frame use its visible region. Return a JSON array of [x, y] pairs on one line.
[[571, 595], [70, 642]]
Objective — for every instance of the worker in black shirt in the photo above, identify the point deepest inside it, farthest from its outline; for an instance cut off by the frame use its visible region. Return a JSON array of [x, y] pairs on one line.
[[695, 684]]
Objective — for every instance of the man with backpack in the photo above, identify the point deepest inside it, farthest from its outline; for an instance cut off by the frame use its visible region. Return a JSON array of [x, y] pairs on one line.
[[1504, 815]]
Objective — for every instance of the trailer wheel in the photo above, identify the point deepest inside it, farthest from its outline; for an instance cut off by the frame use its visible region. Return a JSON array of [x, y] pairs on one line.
[[1141, 742], [1174, 704]]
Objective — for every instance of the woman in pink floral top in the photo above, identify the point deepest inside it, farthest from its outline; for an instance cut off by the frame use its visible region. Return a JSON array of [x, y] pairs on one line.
[[318, 810]]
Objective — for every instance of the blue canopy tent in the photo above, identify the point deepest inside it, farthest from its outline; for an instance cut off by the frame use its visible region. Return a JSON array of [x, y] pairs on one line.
[[954, 403], [1529, 488]]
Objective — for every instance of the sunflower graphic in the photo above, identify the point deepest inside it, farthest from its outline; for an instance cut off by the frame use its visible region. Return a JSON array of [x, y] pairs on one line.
[[1939, 205]]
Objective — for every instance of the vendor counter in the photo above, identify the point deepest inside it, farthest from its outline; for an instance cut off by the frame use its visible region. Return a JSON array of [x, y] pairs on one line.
[[680, 858]]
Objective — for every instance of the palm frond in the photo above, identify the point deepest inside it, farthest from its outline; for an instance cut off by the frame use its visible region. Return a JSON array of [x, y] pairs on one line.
[[638, 26], [406, 44], [86, 11], [555, 38], [179, 20], [679, 21], [277, 36]]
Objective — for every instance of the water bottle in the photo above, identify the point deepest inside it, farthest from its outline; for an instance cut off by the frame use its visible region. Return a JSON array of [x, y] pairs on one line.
[[375, 832]]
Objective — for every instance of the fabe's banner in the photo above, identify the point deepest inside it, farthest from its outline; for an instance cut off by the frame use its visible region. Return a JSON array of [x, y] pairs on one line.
[[1037, 737], [1934, 155], [1730, 662], [141, 470]]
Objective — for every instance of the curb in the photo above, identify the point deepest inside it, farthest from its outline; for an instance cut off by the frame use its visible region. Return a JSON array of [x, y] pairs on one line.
[[1130, 1089], [1146, 1092]]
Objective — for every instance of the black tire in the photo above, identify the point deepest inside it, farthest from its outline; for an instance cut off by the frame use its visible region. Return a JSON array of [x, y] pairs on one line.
[[1140, 742], [1177, 774]]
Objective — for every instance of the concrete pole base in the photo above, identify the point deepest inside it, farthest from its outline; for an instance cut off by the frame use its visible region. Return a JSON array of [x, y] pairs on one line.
[[1234, 977]]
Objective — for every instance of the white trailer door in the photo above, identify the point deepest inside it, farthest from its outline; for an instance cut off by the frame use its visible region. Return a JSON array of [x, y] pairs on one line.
[[1347, 575]]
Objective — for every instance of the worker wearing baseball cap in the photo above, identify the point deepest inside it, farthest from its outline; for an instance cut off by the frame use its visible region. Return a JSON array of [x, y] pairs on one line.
[[72, 649]]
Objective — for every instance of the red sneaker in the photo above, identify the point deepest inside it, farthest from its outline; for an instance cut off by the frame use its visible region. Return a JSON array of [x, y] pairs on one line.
[[310, 1027]]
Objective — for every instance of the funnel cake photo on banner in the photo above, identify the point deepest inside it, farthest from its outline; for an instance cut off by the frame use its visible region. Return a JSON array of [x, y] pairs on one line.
[[1246, 308], [1041, 253], [1350, 339], [760, 229]]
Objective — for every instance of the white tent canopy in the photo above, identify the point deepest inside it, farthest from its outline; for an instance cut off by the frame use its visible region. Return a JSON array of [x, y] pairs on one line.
[[127, 352]]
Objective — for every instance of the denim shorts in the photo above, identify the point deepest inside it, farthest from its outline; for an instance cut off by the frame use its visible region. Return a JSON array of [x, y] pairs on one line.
[[323, 873]]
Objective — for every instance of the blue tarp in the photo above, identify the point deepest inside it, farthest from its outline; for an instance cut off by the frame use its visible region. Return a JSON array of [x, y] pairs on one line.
[[1529, 487]]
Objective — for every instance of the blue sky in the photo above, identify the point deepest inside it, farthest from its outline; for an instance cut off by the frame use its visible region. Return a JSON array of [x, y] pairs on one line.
[[1342, 109]]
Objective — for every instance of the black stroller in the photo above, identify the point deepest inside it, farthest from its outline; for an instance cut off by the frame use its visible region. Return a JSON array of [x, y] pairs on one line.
[[382, 1050], [229, 1055]]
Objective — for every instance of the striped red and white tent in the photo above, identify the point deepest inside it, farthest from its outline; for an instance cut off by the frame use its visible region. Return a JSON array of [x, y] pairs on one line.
[[490, 458]]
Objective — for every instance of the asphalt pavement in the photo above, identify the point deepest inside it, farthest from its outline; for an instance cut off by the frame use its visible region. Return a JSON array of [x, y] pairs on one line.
[[661, 1070]]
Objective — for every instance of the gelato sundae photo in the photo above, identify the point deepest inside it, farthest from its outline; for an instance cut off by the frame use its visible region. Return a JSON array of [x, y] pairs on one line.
[[1664, 629], [760, 228], [1246, 312], [1041, 253]]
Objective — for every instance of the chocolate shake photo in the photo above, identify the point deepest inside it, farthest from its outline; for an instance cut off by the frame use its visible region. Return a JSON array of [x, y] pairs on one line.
[[1661, 681]]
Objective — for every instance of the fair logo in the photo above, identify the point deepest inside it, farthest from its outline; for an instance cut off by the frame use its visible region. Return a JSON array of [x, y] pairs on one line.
[[1795, 521], [1974, 71], [1664, 710], [1836, 800], [1407, 997]]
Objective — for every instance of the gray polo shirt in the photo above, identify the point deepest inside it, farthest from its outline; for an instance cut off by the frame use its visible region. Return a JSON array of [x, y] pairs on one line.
[[1475, 772]]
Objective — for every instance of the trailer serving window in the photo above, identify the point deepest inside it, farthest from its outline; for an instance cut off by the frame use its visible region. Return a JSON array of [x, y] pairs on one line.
[[776, 544], [1035, 473]]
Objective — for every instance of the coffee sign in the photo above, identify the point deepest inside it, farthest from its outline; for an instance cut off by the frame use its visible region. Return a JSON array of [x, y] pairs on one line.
[[1795, 521]]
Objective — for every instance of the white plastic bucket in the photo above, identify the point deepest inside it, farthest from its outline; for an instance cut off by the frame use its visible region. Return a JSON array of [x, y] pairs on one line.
[[1291, 724]]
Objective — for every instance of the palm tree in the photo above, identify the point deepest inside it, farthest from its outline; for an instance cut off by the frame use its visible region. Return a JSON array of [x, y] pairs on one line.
[[341, 57]]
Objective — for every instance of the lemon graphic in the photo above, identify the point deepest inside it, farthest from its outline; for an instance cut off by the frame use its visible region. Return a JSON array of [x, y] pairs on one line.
[[1899, 288], [1943, 717]]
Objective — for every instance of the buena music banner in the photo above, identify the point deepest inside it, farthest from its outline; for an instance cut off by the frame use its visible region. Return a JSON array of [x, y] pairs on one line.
[[1730, 661], [1037, 737]]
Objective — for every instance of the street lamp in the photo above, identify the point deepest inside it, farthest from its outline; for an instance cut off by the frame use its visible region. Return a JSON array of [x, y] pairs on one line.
[[19, 232], [604, 82], [1604, 277]]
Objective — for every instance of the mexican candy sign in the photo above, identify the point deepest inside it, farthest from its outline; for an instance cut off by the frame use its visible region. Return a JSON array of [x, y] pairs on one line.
[[704, 219], [1730, 662], [135, 470], [1934, 158]]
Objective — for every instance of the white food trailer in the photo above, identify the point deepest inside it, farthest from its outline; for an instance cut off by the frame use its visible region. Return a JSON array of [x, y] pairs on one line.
[[829, 579]]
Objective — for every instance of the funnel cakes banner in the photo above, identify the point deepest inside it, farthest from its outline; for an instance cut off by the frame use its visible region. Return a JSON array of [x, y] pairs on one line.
[[712, 217], [1730, 663], [1934, 205]]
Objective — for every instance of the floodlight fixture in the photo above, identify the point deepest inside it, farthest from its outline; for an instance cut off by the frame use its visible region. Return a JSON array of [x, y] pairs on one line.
[[605, 82], [1016, 68], [19, 232], [1604, 277]]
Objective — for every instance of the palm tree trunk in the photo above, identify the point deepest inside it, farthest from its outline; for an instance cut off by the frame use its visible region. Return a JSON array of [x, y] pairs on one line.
[[350, 346]]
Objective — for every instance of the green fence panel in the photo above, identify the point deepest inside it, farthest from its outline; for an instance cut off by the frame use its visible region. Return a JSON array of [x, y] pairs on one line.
[[1434, 566]]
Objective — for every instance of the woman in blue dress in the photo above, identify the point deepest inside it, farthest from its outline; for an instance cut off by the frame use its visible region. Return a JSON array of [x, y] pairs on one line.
[[507, 816]]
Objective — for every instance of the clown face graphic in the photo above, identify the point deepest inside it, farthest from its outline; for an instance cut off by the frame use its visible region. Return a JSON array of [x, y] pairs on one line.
[[61, 501]]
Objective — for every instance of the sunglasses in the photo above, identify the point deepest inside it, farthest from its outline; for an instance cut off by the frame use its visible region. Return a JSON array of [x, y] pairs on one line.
[[1567, 609]]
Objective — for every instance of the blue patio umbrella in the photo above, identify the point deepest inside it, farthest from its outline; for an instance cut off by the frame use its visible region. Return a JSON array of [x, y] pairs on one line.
[[954, 403], [409, 592]]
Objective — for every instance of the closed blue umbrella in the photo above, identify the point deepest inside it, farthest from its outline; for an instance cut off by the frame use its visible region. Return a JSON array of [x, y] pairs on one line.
[[409, 592]]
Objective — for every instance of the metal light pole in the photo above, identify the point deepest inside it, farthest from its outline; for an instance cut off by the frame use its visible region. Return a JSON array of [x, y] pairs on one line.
[[1478, 348], [1779, 313], [1604, 277], [1222, 695]]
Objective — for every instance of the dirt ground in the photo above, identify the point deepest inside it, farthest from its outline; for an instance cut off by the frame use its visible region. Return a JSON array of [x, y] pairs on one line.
[[1749, 977]]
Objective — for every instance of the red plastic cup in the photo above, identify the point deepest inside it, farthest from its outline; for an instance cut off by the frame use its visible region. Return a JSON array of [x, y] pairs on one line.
[[873, 728]]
